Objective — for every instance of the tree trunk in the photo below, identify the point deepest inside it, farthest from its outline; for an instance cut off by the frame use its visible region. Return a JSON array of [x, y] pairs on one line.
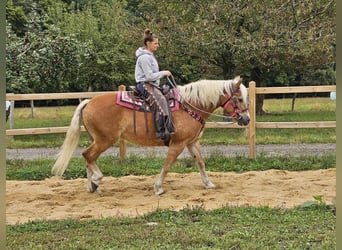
[[32, 108], [256, 75], [90, 88], [259, 104], [227, 65], [293, 101]]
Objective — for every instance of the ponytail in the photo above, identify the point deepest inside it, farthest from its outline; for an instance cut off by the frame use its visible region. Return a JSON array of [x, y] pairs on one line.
[[148, 36]]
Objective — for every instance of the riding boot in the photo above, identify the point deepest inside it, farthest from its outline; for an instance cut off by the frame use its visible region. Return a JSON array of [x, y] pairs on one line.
[[165, 127], [159, 124]]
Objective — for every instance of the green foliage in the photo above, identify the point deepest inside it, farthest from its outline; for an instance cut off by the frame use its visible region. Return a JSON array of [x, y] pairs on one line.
[[285, 43], [43, 61], [239, 37], [16, 16], [103, 25]]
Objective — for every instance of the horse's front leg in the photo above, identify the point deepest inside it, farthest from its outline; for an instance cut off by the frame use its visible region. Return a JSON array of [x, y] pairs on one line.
[[195, 151], [172, 154]]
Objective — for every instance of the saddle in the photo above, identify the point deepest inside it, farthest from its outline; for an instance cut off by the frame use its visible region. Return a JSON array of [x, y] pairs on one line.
[[159, 101], [134, 100]]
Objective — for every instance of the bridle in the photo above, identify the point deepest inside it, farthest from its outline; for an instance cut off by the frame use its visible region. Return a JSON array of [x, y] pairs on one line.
[[233, 100]]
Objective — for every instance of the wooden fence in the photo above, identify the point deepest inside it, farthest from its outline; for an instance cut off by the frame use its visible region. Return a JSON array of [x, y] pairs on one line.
[[253, 91]]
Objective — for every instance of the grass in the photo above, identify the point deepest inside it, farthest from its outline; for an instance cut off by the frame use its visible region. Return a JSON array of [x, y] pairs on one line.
[[304, 227], [278, 110], [40, 169]]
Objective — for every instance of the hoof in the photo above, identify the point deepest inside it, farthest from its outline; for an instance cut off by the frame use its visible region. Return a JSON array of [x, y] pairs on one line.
[[93, 187], [210, 185], [158, 191]]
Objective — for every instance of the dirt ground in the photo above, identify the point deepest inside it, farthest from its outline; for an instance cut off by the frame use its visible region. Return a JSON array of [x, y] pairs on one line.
[[55, 198]]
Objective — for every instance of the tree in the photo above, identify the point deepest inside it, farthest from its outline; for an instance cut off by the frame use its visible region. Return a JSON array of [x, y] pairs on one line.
[[256, 39], [16, 17], [287, 41], [43, 60], [104, 26]]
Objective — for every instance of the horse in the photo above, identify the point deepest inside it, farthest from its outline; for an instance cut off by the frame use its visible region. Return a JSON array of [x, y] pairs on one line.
[[106, 122]]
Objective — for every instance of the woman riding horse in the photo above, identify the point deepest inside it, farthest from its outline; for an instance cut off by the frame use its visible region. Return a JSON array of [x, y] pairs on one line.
[[106, 122], [147, 76]]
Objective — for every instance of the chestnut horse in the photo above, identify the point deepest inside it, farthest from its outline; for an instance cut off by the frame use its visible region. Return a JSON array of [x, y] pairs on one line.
[[106, 122]]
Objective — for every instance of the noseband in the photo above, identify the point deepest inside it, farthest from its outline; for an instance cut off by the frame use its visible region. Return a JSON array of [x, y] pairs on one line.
[[232, 100]]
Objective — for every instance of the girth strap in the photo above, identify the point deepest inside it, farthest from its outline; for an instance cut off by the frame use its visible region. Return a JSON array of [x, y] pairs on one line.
[[135, 119]]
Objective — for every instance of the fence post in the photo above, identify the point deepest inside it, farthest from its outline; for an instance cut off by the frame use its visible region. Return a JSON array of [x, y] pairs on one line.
[[32, 108], [123, 144], [252, 123], [12, 115]]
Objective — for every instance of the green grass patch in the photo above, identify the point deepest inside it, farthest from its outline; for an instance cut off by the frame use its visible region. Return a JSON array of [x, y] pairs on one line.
[[277, 110], [40, 169], [304, 227]]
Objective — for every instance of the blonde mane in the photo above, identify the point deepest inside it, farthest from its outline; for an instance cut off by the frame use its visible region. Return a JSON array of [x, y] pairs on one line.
[[206, 93]]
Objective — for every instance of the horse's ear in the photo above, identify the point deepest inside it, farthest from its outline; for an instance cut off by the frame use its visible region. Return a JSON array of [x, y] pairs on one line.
[[238, 81]]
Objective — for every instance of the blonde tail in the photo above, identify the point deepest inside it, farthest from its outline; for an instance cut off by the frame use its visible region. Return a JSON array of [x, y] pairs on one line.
[[71, 141]]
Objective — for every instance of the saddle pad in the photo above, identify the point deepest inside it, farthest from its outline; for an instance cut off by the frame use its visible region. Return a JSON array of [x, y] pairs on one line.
[[126, 99]]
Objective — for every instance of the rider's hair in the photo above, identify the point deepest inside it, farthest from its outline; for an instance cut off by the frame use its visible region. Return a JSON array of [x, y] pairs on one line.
[[148, 36]]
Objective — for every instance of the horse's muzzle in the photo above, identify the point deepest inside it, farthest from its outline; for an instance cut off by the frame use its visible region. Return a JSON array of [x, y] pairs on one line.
[[243, 119]]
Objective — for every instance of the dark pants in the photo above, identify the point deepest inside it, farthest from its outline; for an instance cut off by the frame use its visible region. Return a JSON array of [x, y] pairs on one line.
[[141, 89]]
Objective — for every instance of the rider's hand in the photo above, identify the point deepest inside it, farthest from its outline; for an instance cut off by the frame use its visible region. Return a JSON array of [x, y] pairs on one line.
[[167, 73]]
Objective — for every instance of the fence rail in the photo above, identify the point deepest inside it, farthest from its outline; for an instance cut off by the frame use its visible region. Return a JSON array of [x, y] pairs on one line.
[[253, 91]]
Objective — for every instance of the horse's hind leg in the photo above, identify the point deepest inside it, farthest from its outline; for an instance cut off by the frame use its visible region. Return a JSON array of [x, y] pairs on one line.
[[195, 151], [94, 174]]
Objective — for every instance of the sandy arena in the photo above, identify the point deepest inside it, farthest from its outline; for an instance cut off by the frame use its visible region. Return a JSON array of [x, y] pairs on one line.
[[54, 198]]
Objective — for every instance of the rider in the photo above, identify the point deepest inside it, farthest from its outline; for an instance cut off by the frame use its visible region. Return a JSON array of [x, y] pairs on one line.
[[147, 76]]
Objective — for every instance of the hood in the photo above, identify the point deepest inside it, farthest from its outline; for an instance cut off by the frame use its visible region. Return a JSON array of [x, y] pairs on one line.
[[142, 51]]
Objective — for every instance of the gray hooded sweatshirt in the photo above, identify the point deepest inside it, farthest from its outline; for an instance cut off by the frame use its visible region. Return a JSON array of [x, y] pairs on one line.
[[146, 67]]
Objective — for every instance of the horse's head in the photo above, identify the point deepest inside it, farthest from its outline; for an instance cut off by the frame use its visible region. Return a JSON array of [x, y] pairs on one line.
[[235, 102]]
